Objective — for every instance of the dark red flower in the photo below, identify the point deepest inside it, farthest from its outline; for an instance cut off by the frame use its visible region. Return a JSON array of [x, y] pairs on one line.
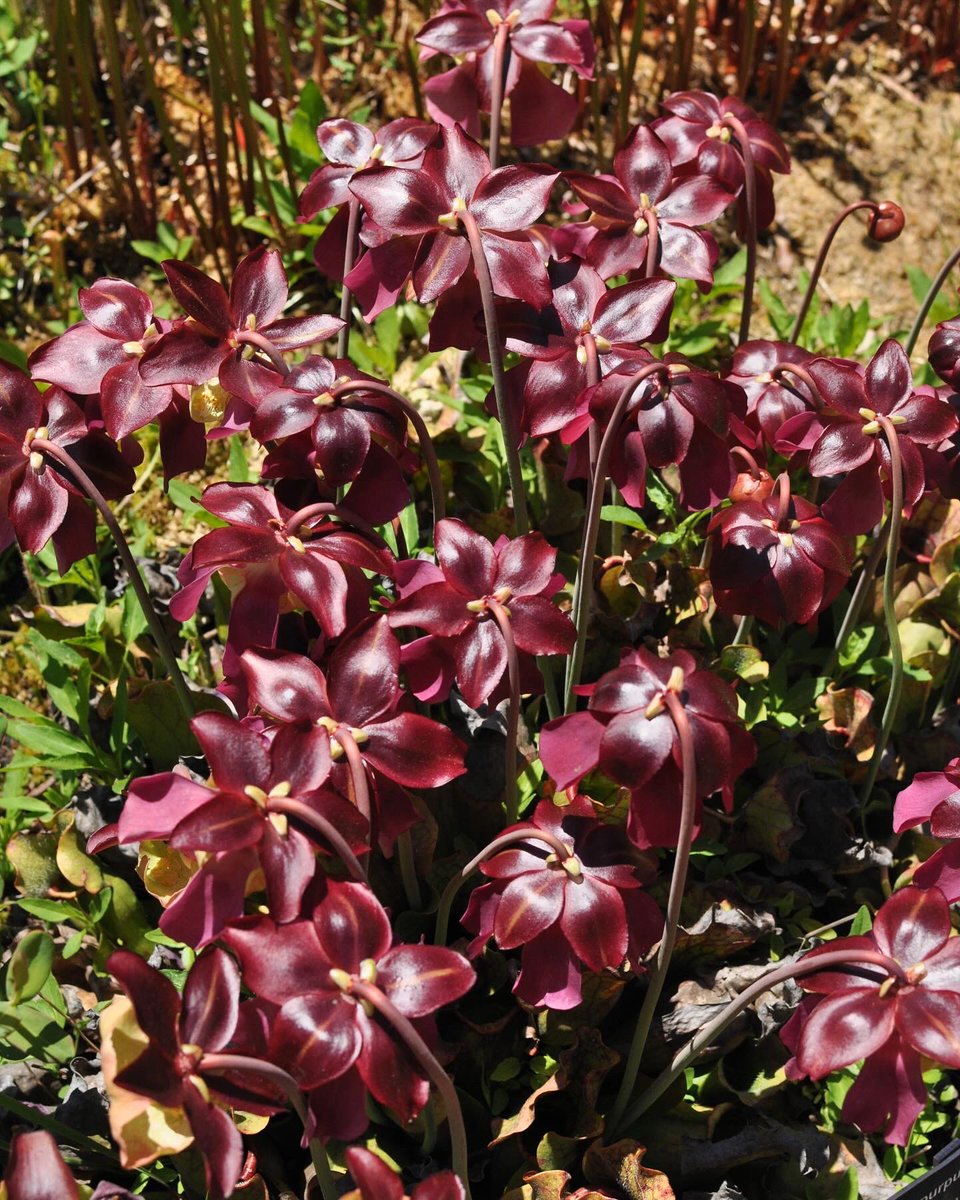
[[180, 1031], [645, 202], [539, 110], [101, 356], [318, 563], [586, 319], [771, 399], [845, 438], [376, 1181], [335, 1046], [934, 796], [777, 559], [563, 912], [944, 351], [41, 499], [452, 602], [895, 1020], [360, 693], [699, 139], [424, 210], [681, 417], [217, 343], [238, 824], [628, 734]]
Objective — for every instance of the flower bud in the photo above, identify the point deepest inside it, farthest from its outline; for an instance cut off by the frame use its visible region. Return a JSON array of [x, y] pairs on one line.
[[885, 223]]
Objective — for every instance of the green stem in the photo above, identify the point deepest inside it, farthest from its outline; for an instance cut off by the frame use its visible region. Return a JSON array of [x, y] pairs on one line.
[[307, 816], [928, 300], [154, 624], [583, 587], [424, 440], [437, 1075], [288, 1085], [889, 613], [502, 617], [504, 415], [793, 970], [678, 883], [509, 838], [743, 630]]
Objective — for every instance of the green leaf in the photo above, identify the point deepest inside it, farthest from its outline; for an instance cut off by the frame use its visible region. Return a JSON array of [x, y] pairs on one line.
[[27, 1032], [55, 911], [619, 514], [29, 966], [746, 662], [510, 1068], [862, 922]]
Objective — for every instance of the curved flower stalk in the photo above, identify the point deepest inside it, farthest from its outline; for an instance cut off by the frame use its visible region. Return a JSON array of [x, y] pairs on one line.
[[777, 558], [646, 218], [934, 796], [566, 891], [484, 602], [358, 701], [628, 733], [331, 977], [502, 44], [265, 810]]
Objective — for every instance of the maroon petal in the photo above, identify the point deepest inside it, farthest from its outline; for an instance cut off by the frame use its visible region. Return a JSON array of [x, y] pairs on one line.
[[540, 110], [916, 802], [227, 822], [888, 379], [452, 99], [841, 447], [642, 164], [930, 1022], [403, 201], [437, 608], [539, 627], [78, 359], [414, 751], [372, 1175], [602, 195], [480, 657], [320, 585], [511, 199], [570, 747], [214, 896], [889, 1091], [218, 1140], [363, 675], [259, 288], [237, 755], [516, 268], [456, 32], [37, 506], [857, 504], [844, 1028], [912, 925], [279, 963], [633, 748], [352, 926], [467, 558], [420, 979], [316, 1038], [127, 403], [156, 804], [289, 865], [36, 1170], [185, 355], [154, 998], [547, 41], [687, 253], [525, 564], [441, 261], [529, 905], [293, 333], [550, 973], [696, 201], [211, 998], [390, 1073], [200, 297], [635, 312], [594, 922], [287, 686], [116, 308], [345, 142], [300, 758], [341, 439]]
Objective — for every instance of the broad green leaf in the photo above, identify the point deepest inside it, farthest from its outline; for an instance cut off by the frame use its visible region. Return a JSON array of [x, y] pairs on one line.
[[29, 966]]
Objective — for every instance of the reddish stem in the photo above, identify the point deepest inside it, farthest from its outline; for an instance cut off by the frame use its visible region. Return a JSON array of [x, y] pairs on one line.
[[502, 617], [751, 463], [501, 64], [324, 508], [416, 420], [308, 816], [250, 337], [780, 369], [349, 257], [653, 243], [358, 773], [783, 499], [750, 188]]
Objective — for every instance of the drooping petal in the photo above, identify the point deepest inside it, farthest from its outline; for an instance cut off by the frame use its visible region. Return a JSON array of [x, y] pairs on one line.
[[594, 923], [549, 973], [315, 1037], [414, 751], [512, 198], [912, 925], [844, 1028], [570, 747], [420, 979], [480, 658], [529, 905], [36, 1170], [156, 804], [352, 926], [540, 110], [372, 1175], [218, 1140], [225, 823], [467, 558], [214, 896], [930, 1022], [237, 755], [889, 1091], [211, 998], [288, 686], [200, 297], [390, 1072], [154, 998]]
